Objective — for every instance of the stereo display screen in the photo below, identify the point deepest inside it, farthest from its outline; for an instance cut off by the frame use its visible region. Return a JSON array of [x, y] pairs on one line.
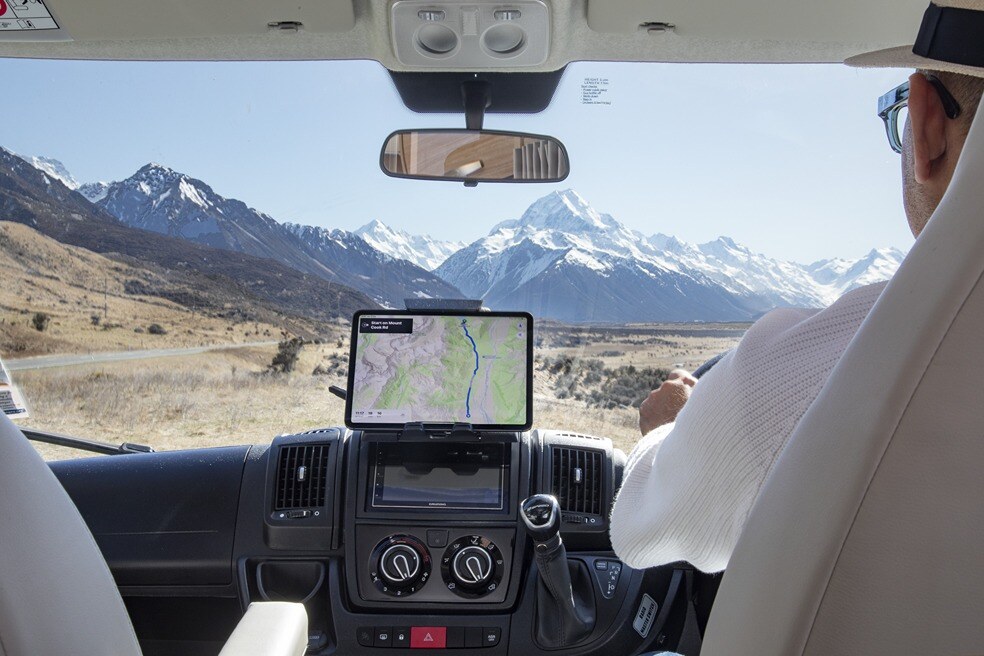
[[452, 476]]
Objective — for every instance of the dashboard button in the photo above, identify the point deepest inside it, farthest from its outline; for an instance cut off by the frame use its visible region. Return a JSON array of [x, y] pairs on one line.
[[474, 637], [456, 637], [383, 637], [491, 636], [364, 635], [437, 539], [428, 637], [401, 637]]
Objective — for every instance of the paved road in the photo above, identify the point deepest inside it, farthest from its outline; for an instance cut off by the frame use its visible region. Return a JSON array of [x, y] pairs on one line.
[[48, 361]]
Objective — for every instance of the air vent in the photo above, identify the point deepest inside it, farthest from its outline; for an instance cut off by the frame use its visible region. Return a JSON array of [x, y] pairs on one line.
[[301, 477], [577, 480]]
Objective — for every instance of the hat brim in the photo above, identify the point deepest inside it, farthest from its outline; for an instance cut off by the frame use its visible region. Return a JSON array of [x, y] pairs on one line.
[[903, 57]]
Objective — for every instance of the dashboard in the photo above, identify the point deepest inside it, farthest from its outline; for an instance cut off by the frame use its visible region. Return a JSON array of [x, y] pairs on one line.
[[394, 542]]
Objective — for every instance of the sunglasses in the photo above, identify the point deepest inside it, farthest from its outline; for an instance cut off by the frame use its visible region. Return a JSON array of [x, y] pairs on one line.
[[893, 109]]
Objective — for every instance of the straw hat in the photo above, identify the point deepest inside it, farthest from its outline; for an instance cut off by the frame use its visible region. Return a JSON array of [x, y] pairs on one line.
[[951, 39]]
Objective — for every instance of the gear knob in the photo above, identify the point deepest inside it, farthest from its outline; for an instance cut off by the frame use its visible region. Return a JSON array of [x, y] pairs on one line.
[[541, 514]]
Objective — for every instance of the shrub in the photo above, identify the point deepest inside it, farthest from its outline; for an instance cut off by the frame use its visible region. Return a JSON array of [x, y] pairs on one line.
[[626, 386], [156, 329], [288, 351], [95, 319], [40, 321], [139, 330]]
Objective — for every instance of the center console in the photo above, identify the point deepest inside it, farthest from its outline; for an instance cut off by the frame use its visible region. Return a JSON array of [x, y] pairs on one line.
[[450, 525], [435, 524]]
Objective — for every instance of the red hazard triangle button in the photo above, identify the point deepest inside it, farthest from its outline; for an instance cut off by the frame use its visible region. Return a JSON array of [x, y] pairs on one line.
[[428, 637]]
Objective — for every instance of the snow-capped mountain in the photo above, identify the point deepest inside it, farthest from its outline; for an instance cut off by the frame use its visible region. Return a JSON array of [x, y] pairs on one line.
[[422, 250], [52, 167], [784, 283], [844, 275], [565, 260], [94, 191], [165, 201], [387, 280]]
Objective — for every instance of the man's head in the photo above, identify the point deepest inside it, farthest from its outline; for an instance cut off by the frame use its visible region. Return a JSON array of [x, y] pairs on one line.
[[932, 141], [943, 98]]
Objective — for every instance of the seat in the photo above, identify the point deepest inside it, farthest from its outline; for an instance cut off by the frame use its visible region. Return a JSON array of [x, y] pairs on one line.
[[57, 595], [868, 536]]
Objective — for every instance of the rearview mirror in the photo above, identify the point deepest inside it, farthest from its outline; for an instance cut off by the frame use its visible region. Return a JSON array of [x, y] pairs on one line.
[[473, 156]]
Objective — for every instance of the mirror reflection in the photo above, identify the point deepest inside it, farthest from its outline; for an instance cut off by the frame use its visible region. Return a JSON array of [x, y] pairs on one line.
[[474, 155]]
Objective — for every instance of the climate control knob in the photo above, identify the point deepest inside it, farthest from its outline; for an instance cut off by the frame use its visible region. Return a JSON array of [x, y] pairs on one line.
[[399, 565], [472, 566]]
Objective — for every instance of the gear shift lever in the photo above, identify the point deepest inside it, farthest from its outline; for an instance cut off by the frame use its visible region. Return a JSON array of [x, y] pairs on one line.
[[541, 514], [565, 609]]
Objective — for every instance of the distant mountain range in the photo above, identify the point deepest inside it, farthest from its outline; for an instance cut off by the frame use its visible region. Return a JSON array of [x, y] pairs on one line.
[[196, 276], [159, 199], [561, 259]]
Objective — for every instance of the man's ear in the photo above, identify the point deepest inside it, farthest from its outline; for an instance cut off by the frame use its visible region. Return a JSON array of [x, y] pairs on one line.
[[928, 120]]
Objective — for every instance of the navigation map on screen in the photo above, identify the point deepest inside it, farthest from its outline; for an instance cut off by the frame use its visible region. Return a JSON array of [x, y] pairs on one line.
[[440, 369]]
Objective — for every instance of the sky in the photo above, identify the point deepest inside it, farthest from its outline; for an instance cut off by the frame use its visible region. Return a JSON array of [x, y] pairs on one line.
[[790, 160]]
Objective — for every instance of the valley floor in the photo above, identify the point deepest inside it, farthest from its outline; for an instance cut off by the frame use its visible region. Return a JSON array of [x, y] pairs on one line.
[[227, 397]]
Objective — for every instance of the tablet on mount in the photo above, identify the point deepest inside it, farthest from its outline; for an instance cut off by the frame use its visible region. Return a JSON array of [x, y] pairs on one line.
[[440, 370]]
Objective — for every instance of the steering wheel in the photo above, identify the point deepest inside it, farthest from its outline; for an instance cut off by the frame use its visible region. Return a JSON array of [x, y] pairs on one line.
[[707, 366]]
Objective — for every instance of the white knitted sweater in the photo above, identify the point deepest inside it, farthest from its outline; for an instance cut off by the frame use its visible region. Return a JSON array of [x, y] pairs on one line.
[[689, 486]]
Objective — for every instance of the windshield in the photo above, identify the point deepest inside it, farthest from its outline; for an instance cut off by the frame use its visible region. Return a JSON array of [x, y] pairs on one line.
[[184, 244]]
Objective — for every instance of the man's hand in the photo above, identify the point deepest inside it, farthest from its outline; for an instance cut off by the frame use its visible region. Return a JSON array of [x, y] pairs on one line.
[[664, 404]]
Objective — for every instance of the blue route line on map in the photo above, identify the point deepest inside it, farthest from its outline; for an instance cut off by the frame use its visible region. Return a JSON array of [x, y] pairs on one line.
[[464, 326]]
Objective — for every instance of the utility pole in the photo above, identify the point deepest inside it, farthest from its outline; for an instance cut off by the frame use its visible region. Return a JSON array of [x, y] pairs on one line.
[[105, 298]]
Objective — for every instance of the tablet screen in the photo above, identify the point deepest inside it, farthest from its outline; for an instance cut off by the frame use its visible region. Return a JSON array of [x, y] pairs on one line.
[[441, 368]]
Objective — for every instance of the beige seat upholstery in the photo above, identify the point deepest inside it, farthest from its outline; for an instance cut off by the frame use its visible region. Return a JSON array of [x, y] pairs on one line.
[[868, 537], [57, 595]]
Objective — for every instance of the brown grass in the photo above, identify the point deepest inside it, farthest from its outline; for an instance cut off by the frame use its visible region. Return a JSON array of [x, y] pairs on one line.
[[227, 397], [72, 284]]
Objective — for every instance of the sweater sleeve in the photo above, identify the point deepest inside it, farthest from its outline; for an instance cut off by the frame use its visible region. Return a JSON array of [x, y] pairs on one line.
[[689, 486]]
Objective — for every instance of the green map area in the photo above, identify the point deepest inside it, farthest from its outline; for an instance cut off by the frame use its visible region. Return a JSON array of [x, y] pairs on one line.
[[448, 369]]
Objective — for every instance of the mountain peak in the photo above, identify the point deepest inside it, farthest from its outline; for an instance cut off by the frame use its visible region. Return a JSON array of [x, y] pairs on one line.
[[377, 228], [565, 211], [94, 191], [156, 170], [52, 168]]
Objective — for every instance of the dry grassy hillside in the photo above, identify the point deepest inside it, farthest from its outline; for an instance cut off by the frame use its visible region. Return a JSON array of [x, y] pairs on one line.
[[94, 303]]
